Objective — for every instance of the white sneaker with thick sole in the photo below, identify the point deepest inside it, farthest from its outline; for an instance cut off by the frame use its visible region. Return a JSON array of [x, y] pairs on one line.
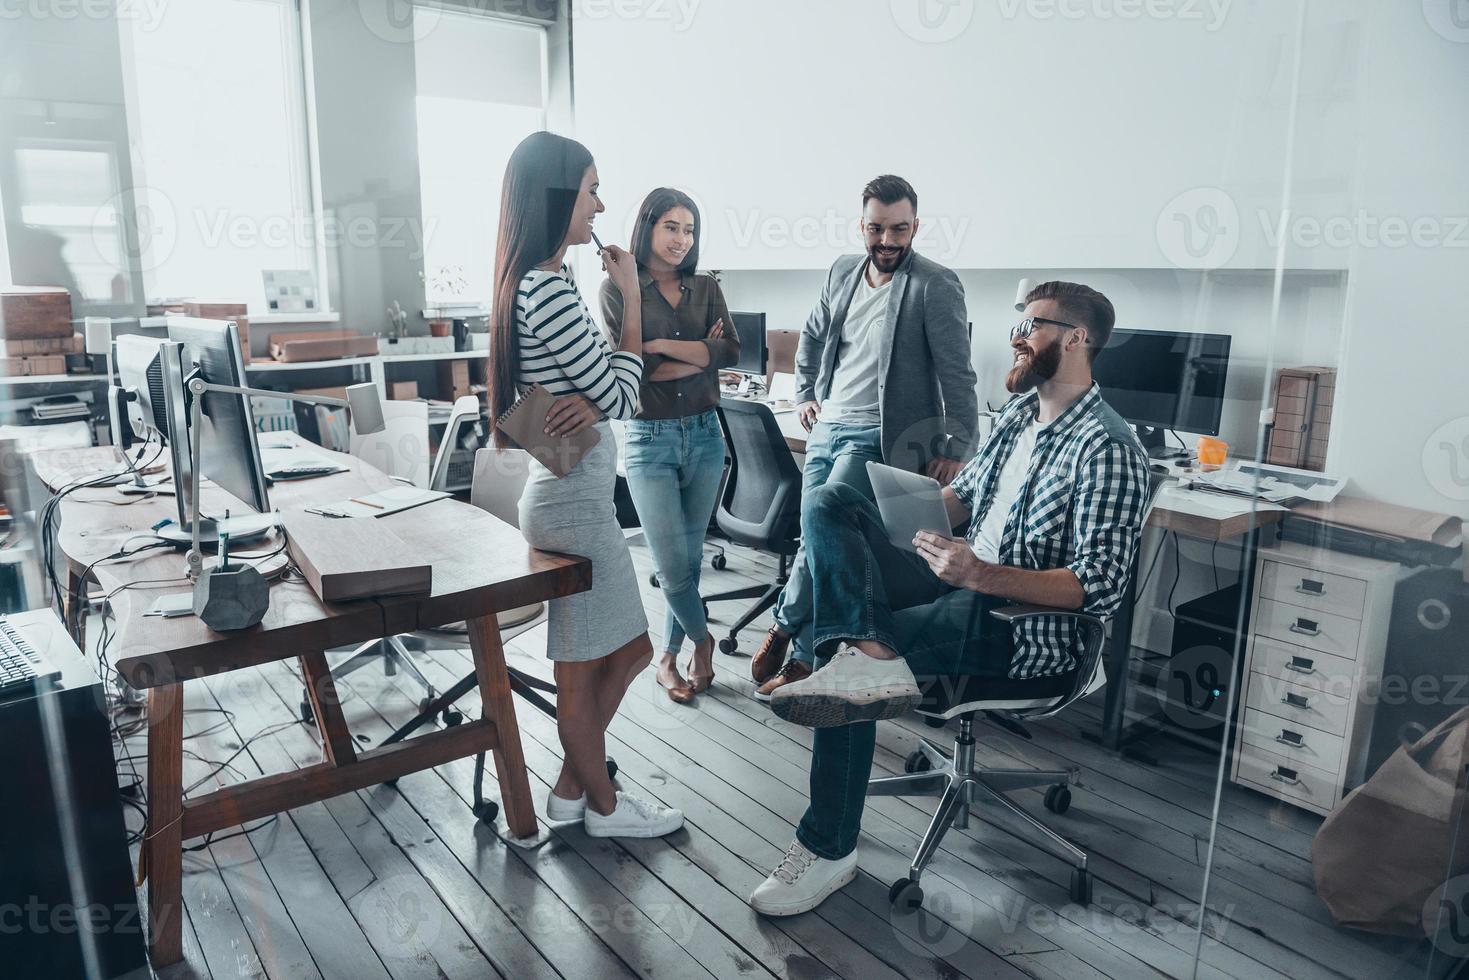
[[801, 882], [560, 809], [633, 817], [851, 687]]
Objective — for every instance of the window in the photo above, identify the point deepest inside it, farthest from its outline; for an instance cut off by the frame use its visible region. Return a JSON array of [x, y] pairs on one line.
[[71, 233], [216, 118], [481, 90]]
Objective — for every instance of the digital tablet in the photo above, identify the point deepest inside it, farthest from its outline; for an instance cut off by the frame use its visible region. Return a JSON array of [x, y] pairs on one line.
[[909, 503]]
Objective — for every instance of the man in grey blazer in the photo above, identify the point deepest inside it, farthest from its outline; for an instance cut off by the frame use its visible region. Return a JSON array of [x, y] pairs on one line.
[[882, 373]]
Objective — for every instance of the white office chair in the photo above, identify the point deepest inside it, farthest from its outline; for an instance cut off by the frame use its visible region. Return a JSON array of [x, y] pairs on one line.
[[401, 448], [450, 463]]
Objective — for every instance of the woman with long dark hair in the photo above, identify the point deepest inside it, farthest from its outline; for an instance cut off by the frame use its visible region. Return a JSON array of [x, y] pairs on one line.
[[675, 450], [542, 333]]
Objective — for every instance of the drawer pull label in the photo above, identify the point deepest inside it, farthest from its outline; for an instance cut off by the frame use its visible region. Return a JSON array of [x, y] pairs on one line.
[[1311, 587], [1306, 627], [1296, 700], [1285, 775], [1301, 665], [1288, 737]]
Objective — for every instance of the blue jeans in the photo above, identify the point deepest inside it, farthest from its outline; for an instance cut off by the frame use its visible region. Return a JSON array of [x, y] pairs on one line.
[[673, 471], [835, 453], [865, 588]]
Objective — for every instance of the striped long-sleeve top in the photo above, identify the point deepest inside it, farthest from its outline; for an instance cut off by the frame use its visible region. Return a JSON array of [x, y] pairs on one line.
[[562, 349]]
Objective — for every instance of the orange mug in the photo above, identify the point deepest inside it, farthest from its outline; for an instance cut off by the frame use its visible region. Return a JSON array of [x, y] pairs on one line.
[[1211, 452]]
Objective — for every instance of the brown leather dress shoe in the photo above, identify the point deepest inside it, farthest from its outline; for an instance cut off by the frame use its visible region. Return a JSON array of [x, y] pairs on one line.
[[770, 656], [794, 670]]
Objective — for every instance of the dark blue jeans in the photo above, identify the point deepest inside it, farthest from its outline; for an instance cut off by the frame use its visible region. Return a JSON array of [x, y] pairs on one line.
[[835, 453], [865, 588]]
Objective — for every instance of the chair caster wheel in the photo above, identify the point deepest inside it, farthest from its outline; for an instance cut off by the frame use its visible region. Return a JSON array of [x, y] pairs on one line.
[[391, 782], [486, 812], [1081, 887], [452, 717], [653, 581], [728, 645], [611, 768], [934, 722], [1058, 798], [719, 563], [423, 704], [307, 714], [906, 896], [917, 762]]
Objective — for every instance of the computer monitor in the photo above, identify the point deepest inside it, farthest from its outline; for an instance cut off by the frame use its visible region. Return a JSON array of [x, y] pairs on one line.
[[229, 454], [150, 377], [750, 329], [1162, 379]]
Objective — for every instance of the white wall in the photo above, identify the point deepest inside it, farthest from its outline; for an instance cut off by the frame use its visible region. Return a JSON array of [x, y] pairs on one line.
[[1041, 139]]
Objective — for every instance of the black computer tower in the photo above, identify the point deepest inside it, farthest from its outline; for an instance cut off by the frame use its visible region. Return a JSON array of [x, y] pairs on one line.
[[67, 903], [1187, 692], [1425, 671]]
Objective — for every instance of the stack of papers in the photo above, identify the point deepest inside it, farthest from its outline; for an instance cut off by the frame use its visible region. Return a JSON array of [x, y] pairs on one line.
[[379, 504]]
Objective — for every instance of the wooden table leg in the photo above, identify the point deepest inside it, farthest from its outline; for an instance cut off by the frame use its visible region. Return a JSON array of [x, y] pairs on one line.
[[494, 690], [163, 846], [336, 740]]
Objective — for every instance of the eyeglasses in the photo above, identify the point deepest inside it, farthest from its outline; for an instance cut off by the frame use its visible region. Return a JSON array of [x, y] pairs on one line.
[[1027, 326]]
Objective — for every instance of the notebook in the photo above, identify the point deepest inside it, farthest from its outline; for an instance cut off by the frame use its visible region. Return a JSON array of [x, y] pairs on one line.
[[525, 423]]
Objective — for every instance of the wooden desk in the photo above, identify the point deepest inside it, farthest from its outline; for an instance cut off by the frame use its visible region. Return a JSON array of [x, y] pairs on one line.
[[480, 566]]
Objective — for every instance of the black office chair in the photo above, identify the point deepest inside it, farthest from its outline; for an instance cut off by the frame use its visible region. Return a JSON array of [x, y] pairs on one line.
[[761, 506], [1006, 702]]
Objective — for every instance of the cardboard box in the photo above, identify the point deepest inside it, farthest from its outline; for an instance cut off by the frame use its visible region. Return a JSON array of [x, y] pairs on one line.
[[209, 311], [326, 345], [73, 344], [454, 378], [35, 313], [27, 367], [402, 391]]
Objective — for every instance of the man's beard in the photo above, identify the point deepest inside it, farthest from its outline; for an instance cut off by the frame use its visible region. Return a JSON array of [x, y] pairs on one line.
[[1039, 367], [886, 262]]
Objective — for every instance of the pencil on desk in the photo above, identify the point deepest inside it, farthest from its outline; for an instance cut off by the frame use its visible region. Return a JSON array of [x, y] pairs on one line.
[[366, 503]]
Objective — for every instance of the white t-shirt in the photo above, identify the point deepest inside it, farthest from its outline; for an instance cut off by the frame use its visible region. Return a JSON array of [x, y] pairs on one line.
[[852, 399], [1012, 478]]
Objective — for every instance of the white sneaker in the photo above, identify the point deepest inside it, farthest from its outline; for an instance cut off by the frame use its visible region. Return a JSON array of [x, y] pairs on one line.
[[633, 817], [801, 882], [560, 809], [851, 687]]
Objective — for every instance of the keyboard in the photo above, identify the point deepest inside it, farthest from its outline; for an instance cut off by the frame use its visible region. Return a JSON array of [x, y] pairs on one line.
[[302, 471], [21, 667]]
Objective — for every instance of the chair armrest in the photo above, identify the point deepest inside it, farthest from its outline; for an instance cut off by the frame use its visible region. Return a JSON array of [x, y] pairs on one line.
[[1019, 611]]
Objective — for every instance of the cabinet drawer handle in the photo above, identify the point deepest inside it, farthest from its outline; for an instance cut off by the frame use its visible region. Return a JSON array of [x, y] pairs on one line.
[[1294, 739], [1287, 776], [1296, 700], [1306, 627], [1311, 587], [1301, 665]]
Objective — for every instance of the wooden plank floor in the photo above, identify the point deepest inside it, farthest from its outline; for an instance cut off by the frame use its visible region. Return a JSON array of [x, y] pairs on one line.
[[401, 881]]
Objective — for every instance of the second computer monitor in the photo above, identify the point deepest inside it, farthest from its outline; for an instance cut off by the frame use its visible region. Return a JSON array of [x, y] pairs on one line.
[[1161, 379], [229, 452], [750, 329]]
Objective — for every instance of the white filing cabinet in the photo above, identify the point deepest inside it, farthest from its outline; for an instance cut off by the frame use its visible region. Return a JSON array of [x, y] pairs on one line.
[[1313, 664]]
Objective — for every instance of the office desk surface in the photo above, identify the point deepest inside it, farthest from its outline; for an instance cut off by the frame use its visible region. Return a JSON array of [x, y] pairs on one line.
[[480, 565]]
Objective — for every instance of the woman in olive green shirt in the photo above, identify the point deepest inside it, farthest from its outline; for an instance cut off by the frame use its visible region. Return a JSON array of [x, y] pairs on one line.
[[675, 449]]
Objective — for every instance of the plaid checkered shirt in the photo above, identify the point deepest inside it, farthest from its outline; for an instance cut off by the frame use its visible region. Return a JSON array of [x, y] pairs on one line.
[[1081, 507]]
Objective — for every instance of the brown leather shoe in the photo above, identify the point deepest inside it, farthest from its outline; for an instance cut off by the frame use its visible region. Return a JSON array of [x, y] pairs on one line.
[[794, 670], [770, 656]]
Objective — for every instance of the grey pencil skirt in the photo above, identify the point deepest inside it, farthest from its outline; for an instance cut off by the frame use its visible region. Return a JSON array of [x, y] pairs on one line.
[[576, 515]]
